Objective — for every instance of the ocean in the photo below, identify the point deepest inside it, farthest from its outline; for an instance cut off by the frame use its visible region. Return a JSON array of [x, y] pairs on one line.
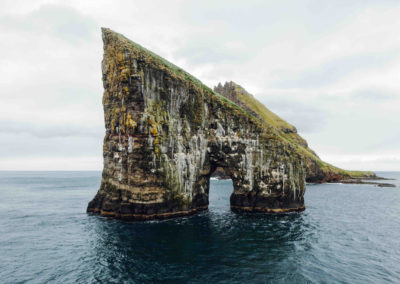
[[348, 234]]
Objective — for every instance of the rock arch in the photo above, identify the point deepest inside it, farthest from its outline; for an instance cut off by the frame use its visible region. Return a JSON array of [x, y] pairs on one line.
[[166, 132]]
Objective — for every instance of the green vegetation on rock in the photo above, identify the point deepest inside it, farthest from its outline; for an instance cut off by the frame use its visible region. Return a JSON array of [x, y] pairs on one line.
[[317, 170], [170, 67]]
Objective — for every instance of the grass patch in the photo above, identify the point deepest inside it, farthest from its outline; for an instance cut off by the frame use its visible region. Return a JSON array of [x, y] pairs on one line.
[[179, 72], [262, 110], [292, 137]]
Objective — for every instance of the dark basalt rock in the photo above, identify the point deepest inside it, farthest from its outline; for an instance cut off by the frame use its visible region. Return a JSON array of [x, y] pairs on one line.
[[166, 133], [360, 181], [220, 173]]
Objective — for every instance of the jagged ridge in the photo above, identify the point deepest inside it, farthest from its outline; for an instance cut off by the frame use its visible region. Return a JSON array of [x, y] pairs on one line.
[[317, 170]]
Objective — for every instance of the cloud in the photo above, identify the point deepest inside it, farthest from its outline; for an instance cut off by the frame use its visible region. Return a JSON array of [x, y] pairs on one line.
[[214, 50], [23, 144], [375, 94], [388, 142], [337, 69], [373, 162], [63, 163], [306, 118], [48, 131], [58, 21]]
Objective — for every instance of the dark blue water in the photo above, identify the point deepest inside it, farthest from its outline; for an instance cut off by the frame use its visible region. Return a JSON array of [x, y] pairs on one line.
[[348, 234]]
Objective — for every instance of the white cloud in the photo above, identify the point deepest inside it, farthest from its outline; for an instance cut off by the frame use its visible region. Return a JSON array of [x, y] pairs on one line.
[[56, 21], [388, 162], [81, 163]]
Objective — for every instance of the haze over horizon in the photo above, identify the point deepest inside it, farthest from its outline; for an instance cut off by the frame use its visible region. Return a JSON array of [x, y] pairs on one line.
[[332, 69]]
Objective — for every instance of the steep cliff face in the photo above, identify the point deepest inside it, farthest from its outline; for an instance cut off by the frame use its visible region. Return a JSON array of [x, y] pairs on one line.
[[166, 133], [316, 169]]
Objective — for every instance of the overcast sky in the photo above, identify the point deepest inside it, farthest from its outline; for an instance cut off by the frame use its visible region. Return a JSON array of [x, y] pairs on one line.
[[331, 68]]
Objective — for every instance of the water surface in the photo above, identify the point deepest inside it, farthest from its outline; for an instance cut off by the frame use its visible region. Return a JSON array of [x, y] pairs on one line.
[[348, 234]]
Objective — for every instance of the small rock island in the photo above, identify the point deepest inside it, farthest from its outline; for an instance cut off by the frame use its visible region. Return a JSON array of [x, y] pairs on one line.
[[166, 133]]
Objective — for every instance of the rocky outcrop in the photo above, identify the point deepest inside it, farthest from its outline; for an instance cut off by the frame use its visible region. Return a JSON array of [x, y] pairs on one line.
[[220, 173], [166, 133], [317, 171]]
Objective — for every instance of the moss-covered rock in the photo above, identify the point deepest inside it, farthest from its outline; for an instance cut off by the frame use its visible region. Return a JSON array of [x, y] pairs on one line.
[[166, 133], [317, 170]]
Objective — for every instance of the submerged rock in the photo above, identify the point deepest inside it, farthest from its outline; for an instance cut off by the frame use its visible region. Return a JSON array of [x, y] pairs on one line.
[[166, 133]]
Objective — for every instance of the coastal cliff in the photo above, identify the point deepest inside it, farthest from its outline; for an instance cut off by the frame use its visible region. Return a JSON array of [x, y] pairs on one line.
[[166, 133], [317, 171]]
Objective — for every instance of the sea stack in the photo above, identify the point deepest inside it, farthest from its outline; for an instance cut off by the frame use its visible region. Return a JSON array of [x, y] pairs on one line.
[[166, 133]]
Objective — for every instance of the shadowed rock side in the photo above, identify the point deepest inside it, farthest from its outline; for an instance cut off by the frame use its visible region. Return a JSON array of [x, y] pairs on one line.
[[166, 133], [317, 171]]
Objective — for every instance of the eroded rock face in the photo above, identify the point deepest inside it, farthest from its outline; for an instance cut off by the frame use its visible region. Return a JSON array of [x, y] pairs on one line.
[[317, 171], [166, 133]]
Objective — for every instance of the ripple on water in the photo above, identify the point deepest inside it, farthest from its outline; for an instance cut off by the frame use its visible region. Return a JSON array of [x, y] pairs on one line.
[[349, 233]]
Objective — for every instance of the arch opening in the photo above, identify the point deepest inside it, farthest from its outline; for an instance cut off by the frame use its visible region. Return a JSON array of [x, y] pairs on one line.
[[220, 189]]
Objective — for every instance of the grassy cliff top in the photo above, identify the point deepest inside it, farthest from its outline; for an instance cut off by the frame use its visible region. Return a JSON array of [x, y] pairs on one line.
[[156, 58], [261, 110], [285, 129], [172, 68]]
